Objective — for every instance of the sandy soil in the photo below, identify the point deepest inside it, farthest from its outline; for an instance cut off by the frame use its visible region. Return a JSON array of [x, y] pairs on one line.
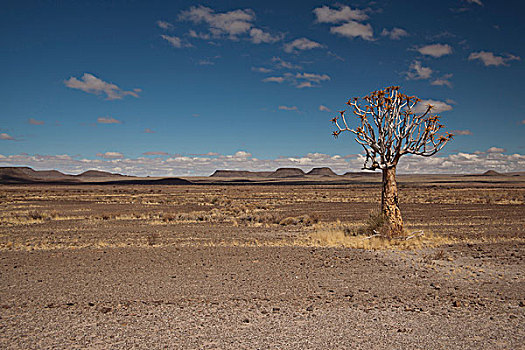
[[211, 267]]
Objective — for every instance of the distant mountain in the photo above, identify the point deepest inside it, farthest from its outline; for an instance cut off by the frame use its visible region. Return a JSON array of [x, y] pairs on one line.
[[28, 175], [98, 173], [362, 173], [492, 173], [240, 173], [287, 172], [324, 171]]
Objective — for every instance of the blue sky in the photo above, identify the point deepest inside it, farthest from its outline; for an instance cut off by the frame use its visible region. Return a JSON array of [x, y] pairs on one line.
[[185, 87]]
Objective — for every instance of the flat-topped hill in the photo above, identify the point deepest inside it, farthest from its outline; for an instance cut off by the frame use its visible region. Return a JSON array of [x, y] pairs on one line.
[[240, 173], [98, 173], [323, 171], [287, 172]]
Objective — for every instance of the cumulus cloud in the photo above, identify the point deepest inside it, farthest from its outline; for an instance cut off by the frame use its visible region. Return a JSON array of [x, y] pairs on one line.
[[418, 71], [325, 14], [288, 108], [33, 121], [273, 80], [164, 25], [177, 165], [93, 85], [490, 59], [350, 27], [280, 63], [495, 150], [301, 44], [259, 36], [435, 50], [230, 25], [110, 155], [443, 81], [106, 120], [437, 106], [261, 69], [299, 80], [394, 33], [175, 41], [477, 2], [5, 136], [323, 108], [353, 29]]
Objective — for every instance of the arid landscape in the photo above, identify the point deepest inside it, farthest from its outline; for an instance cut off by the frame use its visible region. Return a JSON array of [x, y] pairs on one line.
[[261, 262]]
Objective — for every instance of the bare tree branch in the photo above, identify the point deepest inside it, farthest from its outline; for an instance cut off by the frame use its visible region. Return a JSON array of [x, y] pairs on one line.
[[388, 128]]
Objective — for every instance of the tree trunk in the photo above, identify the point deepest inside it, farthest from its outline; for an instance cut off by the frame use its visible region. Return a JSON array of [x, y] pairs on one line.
[[390, 204]]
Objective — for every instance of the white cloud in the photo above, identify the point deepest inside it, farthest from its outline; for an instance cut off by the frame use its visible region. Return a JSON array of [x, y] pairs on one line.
[[437, 106], [395, 33], [273, 80], [4, 136], [418, 72], [490, 59], [461, 132], [175, 41], [288, 108], [280, 63], [196, 35], [230, 25], [33, 121], [495, 150], [435, 50], [443, 81], [110, 155], [105, 120], [317, 78], [299, 80], [164, 25], [325, 14], [301, 44], [93, 85], [460, 163], [261, 69], [353, 29], [259, 36], [304, 84], [478, 2], [323, 108]]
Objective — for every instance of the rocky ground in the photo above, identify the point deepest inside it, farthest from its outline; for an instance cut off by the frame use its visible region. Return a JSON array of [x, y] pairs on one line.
[[121, 267]]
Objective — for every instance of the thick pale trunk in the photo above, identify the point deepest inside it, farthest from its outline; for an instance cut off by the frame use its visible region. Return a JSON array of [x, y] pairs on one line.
[[390, 204]]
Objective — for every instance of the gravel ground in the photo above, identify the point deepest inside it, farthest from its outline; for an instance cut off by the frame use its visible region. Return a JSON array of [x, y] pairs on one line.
[[263, 298]]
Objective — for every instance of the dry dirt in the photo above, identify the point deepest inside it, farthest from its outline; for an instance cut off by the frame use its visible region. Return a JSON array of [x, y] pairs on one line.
[[240, 267]]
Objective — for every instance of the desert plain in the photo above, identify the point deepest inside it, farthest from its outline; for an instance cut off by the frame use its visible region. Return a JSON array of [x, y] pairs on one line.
[[226, 263]]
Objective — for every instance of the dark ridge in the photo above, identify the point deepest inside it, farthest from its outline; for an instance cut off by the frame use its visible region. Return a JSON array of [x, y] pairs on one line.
[[491, 173], [240, 173], [324, 171], [362, 173], [165, 181], [287, 172], [28, 175], [98, 173]]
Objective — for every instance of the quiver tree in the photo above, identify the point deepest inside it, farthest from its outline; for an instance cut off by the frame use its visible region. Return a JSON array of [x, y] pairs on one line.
[[388, 128]]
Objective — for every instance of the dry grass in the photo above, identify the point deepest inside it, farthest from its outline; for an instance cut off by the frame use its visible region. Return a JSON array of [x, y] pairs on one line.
[[359, 237]]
